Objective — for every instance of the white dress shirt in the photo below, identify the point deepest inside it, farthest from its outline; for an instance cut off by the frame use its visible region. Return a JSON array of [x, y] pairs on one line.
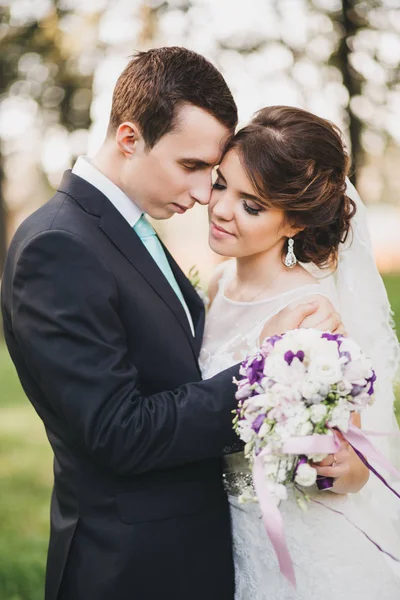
[[84, 169]]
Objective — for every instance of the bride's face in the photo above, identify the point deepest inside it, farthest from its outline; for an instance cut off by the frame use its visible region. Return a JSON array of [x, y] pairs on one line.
[[239, 224]]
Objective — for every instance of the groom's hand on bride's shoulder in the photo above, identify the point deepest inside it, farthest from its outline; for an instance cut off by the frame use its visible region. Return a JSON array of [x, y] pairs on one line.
[[324, 316], [319, 312]]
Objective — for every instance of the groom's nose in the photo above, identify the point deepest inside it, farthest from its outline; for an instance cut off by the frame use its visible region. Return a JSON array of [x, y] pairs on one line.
[[201, 190]]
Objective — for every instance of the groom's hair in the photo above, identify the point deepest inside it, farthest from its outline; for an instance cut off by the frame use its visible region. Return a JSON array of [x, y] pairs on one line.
[[156, 83]]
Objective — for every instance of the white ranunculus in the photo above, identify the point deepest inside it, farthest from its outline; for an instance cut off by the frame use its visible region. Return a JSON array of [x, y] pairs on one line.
[[326, 370], [318, 412], [305, 475]]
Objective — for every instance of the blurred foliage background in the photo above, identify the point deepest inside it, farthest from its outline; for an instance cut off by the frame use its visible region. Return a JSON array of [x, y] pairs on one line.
[[59, 61]]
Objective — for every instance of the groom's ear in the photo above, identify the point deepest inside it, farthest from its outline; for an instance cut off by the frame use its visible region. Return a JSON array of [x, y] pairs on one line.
[[128, 138]]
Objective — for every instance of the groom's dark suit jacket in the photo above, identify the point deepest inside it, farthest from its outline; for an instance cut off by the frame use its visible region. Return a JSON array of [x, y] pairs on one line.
[[104, 351]]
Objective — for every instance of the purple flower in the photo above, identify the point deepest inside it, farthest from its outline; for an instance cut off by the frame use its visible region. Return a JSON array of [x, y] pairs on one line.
[[371, 380], [269, 343], [289, 356], [255, 370], [356, 390], [258, 421], [333, 337], [273, 339]]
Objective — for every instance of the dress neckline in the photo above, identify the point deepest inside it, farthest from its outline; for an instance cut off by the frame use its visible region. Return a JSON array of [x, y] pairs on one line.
[[270, 298]]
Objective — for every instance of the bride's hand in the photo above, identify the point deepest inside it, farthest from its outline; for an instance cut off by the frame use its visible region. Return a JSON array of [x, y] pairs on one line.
[[349, 472]]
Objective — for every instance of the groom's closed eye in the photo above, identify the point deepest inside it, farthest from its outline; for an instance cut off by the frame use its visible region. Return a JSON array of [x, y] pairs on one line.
[[195, 165]]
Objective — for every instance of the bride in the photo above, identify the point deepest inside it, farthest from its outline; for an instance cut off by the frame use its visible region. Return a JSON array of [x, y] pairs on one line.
[[281, 208]]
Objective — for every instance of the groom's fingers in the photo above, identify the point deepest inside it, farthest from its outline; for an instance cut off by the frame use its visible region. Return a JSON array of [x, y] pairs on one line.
[[300, 312], [332, 323]]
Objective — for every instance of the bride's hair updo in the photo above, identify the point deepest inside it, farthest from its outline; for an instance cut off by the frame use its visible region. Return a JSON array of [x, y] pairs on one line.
[[297, 162]]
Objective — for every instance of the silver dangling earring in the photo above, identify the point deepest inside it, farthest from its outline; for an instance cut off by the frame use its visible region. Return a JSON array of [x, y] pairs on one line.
[[290, 258]]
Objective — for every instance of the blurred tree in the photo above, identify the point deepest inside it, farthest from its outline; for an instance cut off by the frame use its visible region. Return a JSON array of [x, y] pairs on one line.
[[345, 52], [41, 61], [368, 57]]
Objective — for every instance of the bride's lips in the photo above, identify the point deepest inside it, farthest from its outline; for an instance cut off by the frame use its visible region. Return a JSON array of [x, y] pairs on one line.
[[219, 232]]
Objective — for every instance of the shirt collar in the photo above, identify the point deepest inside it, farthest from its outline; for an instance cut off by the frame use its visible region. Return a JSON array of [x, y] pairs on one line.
[[87, 171]]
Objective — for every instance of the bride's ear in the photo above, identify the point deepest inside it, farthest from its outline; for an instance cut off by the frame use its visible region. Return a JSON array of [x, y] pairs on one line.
[[290, 231]]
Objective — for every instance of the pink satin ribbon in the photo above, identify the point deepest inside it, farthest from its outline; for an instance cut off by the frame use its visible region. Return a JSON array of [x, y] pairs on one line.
[[359, 440], [313, 444], [271, 516]]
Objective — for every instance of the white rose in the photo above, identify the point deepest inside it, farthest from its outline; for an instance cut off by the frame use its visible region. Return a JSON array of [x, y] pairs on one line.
[[318, 412], [305, 475]]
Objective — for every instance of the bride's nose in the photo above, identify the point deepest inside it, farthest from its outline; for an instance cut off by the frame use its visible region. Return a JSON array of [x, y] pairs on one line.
[[222, 206]]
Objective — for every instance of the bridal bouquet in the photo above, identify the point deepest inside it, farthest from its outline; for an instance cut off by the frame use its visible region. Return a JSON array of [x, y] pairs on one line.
[[292, 394]]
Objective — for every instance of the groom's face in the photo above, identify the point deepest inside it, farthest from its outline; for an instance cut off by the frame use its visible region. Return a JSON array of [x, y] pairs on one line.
[[176, 173]]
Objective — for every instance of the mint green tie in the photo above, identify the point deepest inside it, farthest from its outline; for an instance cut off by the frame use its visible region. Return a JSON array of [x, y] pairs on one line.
[[150, 240]]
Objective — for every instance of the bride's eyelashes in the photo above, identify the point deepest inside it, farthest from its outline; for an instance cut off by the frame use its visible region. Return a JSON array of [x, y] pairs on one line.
[[251, 210]]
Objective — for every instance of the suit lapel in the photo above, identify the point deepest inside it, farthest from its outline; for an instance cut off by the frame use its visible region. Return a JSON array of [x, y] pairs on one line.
[[124, 238], [193, 300]]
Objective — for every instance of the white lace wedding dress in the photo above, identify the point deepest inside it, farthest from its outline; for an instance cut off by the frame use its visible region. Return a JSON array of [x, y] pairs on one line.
[[332, 558]]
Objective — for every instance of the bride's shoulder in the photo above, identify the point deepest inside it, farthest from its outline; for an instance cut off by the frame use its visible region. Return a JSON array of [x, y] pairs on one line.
[[220, 272]]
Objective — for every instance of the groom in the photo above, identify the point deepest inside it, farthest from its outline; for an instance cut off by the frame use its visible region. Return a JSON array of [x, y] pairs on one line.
[[105, 331]]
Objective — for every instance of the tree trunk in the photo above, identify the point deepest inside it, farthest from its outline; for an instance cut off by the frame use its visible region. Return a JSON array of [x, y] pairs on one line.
[[352, 81]]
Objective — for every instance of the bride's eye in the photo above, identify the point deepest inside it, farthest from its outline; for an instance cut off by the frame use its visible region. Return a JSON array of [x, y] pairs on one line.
[[218, 186], [252, 209]]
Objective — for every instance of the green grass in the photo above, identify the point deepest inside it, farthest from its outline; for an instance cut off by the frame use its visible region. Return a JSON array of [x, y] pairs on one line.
[[26, 478], [25, 483]]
